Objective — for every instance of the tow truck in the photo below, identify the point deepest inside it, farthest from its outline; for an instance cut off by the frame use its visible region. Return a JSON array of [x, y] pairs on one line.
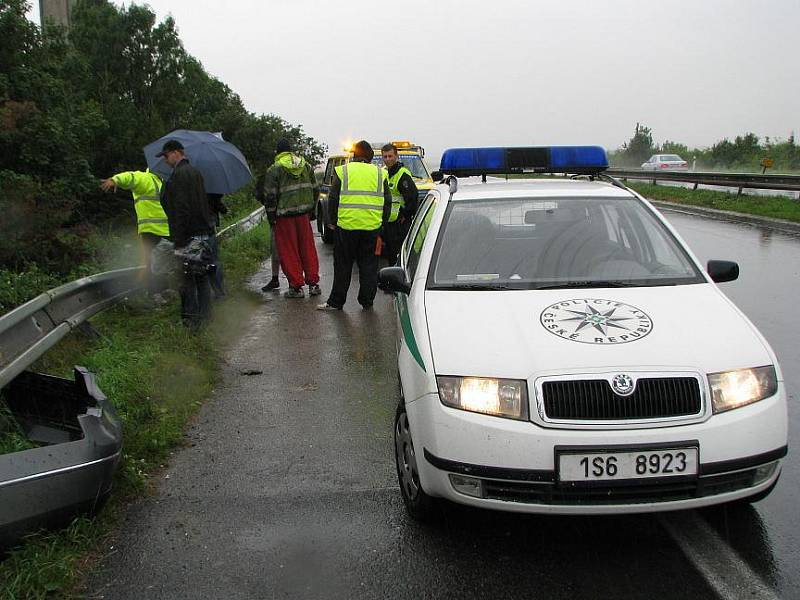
[[411, 156]]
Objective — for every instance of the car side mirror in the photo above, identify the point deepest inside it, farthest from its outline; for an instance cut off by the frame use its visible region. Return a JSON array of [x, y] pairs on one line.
[[723, 270], [394, 279]]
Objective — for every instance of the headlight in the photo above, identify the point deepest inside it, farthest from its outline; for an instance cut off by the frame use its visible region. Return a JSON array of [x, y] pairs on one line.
[[498, 397], [733, 389]]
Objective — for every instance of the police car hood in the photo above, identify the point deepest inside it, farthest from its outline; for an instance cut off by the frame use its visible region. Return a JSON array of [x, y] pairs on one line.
[[518, 334]]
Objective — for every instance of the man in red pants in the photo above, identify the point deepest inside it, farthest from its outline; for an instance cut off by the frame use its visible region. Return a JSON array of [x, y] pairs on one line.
[[290, 195]]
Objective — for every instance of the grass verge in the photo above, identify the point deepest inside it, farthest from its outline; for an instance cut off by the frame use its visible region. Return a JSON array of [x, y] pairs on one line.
[[157, 374], [763, 206], [12, 438]]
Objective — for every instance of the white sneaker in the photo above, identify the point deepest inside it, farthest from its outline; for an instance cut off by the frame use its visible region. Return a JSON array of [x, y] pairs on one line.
[[326, 306]]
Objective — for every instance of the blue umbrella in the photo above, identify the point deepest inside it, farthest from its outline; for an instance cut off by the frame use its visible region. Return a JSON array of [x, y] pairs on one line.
[[223, 166]]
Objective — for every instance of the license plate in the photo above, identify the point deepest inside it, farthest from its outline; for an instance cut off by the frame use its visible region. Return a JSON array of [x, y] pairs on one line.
[[596, 465]]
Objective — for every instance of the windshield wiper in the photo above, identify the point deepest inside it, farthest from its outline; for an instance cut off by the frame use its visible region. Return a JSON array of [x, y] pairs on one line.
[[587, 284], [476, 286]]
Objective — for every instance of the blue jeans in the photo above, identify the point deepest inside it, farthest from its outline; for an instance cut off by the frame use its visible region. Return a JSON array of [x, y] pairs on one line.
[[196, 295]]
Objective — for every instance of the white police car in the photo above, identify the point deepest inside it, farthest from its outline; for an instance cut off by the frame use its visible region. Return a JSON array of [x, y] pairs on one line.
[[560, 350]]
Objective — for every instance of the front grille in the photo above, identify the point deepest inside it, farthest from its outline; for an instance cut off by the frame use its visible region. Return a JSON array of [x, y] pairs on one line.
[[634, 493], [595, 400]]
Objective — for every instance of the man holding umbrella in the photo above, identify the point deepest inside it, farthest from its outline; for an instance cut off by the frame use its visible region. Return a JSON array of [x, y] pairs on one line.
[[290, 194], [189, 214]]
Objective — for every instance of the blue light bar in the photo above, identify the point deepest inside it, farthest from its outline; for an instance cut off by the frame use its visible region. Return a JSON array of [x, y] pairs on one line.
[[587, 160]]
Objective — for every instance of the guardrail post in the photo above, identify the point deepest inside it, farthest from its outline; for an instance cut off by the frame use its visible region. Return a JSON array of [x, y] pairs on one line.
[[739, 193]]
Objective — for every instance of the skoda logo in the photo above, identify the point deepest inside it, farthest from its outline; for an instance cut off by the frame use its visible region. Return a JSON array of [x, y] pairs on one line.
[[596, 321], [623, 384]]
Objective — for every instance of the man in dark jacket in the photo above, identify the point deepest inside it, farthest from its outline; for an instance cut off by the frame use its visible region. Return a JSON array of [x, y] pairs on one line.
[[190, 220], [404, 202]]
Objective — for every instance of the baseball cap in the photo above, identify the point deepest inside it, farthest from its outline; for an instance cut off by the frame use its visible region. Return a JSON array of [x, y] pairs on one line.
[[169, 146]]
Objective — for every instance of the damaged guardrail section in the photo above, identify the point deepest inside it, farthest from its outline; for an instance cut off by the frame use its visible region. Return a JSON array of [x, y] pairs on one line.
[[32, 329], [74, 428]]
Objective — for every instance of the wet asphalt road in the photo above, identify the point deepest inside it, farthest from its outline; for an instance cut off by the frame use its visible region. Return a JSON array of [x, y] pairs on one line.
[[768, 291], [288, 489]]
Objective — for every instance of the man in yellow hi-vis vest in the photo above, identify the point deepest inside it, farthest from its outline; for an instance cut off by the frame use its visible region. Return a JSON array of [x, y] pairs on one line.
[[150, 217], [360, 204], [404, 202]]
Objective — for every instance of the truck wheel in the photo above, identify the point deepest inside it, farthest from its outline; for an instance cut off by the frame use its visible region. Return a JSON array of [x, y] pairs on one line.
[[327, 234], [320, 221]]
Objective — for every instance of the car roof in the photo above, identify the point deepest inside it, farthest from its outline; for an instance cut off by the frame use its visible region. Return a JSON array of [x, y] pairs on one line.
[[473, 189]]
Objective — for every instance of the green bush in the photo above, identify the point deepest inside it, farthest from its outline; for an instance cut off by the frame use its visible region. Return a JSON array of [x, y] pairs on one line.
[[18, 287]]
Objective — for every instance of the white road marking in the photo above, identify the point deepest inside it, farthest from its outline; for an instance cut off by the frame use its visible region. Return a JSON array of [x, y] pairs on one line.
[[724, 570]]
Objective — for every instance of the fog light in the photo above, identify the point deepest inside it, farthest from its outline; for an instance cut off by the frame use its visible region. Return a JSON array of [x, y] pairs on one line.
[[764, 472], [469, 486]]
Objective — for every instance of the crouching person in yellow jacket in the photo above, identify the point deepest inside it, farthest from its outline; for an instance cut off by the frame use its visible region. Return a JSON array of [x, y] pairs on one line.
[[151, 220]]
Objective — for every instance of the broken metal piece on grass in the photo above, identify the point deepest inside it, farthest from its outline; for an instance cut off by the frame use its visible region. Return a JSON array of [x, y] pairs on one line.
[[80, 439]]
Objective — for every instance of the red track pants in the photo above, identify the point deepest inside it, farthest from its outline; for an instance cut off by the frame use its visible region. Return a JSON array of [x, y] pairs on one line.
[[295, 242]]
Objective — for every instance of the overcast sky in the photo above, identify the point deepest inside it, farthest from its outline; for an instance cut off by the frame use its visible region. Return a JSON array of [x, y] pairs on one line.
[[480, 72]]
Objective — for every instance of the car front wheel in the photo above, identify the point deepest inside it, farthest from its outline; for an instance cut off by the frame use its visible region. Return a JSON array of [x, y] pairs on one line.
[[419, 505]]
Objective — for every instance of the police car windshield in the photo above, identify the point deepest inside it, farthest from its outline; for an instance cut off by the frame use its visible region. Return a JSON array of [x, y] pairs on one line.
[[410, 162], [526, 243]]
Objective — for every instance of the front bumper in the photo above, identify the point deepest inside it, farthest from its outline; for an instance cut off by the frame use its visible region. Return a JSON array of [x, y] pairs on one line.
[[72, 470], [739, 453]]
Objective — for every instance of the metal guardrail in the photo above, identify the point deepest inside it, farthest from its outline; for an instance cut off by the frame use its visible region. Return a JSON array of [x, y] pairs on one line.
[[30, 330], [245, 224], [789, 183]]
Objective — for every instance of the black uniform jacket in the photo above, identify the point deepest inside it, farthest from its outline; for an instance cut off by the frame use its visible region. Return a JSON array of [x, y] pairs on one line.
[[408, 190], [185, 201]]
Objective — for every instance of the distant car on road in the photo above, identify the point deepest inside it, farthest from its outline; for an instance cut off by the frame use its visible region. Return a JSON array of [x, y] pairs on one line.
[[665, 162]]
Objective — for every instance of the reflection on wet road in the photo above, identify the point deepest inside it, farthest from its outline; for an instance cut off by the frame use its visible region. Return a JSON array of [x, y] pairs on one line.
[[768, 292], [288, 488]]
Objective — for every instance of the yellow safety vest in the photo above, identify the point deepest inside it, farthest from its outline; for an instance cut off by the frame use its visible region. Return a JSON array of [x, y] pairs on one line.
[[397, 198], [146, 189], [361, 196]]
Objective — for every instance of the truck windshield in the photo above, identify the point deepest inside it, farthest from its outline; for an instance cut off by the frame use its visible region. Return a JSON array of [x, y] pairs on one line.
[[526, 243], [410, 162]]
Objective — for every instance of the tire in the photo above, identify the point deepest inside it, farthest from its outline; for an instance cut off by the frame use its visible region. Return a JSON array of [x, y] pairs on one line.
[[419, 505], [322, 226], [320, 222]]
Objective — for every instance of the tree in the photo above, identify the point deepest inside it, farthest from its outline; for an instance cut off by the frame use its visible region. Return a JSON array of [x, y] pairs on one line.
[[638, 149], [681, 150], [77, 107]]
